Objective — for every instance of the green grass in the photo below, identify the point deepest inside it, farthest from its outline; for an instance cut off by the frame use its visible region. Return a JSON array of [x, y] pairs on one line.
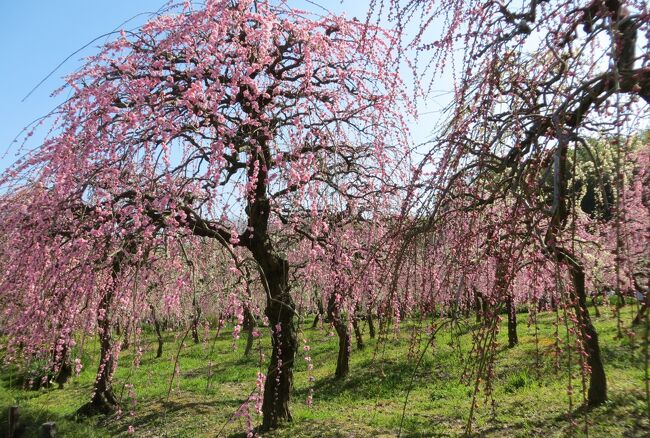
[[530, 395]]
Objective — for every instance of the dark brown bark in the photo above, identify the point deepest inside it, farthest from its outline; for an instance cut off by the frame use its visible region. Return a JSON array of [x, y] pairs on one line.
[[61, 368], [481, 305], [477, 306], [553, 304], [644, 305], [280, 310], [594, 302], [512, 322], [640, 315], [320, 310], [502, 286], [597, 393], [156, 325], [14, 416], [371, 324], [341, 327], [343, 359], [125, 340], [65, 369], [195, 332], [195, 321], [249, 326], [316, 320], [357, 333], [103, 400]]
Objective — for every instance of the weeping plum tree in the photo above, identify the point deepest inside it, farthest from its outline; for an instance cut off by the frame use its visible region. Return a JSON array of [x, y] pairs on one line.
[[238, 122], [536, 79], [73, 280], [346, 267]]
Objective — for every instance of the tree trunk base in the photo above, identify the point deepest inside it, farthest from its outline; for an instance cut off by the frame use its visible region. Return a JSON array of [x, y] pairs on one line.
[[513, 339], [371, 325], [249, 343], [65, 372], [357, 333], [640, 315], [159, 352], [101, 404], [343, 360], [279, 379]]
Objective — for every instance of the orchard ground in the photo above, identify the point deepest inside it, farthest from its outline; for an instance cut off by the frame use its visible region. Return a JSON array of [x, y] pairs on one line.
[[530, 394]]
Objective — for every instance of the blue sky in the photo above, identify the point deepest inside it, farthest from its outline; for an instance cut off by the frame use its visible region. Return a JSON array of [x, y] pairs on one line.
[[37, 35]]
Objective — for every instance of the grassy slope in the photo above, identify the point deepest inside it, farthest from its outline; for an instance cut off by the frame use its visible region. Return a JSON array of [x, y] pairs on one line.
[[529, 400]]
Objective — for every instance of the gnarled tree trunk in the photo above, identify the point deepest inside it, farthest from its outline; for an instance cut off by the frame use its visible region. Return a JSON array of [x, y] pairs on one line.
[[126, 339], [156, 325], [343, 359], [64, 369], [644, 305], [371, 324], [103, 400], [512, 322], [594, 302], [597, 393], [196, 317], [481, 305], [341, 327], [280, 310], [249, 326], [320, 310], [357, 332]]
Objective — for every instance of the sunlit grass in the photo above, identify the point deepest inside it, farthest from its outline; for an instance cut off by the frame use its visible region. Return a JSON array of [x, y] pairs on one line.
[[530, 395]]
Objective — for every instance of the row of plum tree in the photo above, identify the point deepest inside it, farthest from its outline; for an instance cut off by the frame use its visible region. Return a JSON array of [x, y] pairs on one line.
[[249, 161]]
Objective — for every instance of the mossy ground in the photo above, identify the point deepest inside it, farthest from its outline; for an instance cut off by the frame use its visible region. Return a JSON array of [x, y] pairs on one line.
[[530, 394]]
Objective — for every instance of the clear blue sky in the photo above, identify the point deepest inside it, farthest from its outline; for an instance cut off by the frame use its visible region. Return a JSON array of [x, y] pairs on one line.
[[36, 35]]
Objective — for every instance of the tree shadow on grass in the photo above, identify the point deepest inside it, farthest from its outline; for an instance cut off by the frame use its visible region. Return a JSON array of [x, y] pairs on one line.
[[31, 419], [370, 379], [626, 409], [621, 354], [162, 414]]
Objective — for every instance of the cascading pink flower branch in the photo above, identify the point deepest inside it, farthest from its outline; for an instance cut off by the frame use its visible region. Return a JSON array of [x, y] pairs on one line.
[[241, 122]]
